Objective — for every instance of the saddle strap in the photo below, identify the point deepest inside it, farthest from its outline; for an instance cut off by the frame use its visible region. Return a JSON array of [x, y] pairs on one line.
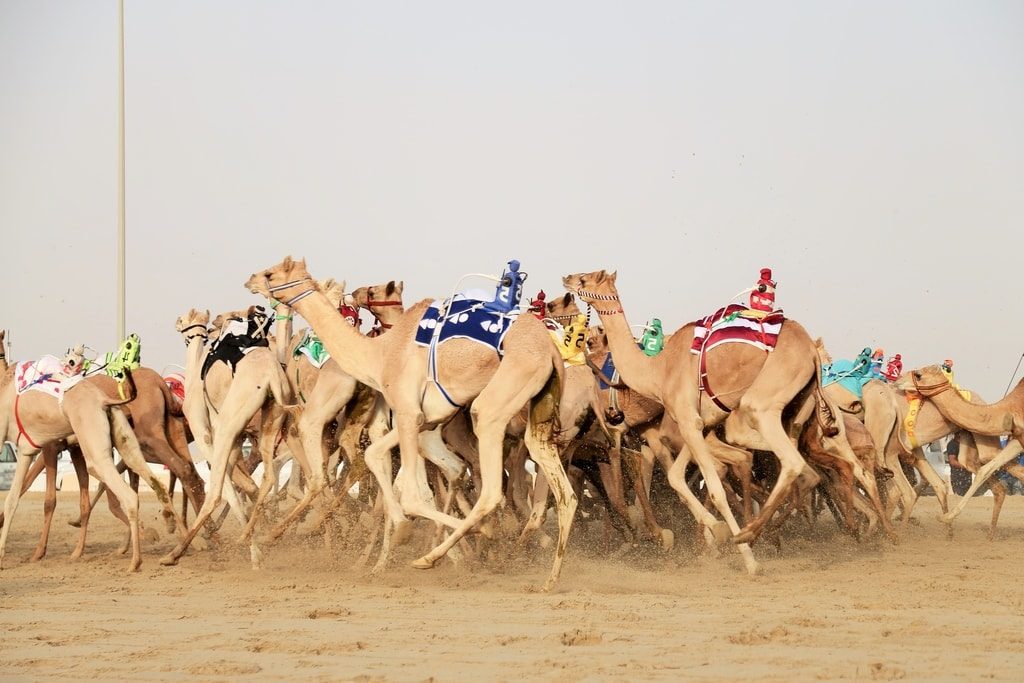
[[21, 427]]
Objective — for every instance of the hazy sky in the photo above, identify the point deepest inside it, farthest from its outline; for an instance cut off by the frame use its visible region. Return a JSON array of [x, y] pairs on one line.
[[872, 153]]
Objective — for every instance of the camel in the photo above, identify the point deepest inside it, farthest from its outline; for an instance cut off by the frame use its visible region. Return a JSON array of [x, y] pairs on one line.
[[883, 411], [33, 420], [530, 372], [324, 393], [160, 440], [257, 386], [753, 388], [983, 420]]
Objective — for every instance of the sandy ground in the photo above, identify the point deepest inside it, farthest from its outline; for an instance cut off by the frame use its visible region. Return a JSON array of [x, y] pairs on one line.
[[825, 608]]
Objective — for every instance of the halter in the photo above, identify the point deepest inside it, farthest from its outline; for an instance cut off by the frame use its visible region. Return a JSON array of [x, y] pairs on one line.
[[599, 297], [205, 334], [370, 305], [929, 390], [288, 285]]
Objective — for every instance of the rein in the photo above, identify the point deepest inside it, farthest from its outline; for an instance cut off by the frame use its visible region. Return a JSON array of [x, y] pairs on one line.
[[371, 303]]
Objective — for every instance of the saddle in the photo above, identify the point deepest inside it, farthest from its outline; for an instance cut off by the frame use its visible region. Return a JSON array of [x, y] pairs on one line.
[[472, 316], [45, 375], [239, 337], [733, 324], [313, 349]]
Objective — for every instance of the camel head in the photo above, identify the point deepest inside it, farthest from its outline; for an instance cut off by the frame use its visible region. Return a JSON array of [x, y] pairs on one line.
[[283, 281], [928, 376], [592, 287], [378, 295], [193, 324], [563, 309], [597, 341], [333, 290]]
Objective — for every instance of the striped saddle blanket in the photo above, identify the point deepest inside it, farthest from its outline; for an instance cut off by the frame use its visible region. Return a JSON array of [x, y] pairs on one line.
[[737, 324]]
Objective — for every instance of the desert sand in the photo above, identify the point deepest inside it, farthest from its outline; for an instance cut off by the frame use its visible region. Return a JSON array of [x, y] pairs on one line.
[[825, 608]]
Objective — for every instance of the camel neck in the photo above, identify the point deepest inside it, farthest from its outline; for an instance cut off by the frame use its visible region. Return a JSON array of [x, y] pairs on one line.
[[282, 331], [993, 419], [193, 364], [355, 354], [634, 366]]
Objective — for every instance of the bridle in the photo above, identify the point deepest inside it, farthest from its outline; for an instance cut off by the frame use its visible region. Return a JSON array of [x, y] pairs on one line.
[[371, 304], [205, 333], [586, 296], [288, 285], [929, 390]]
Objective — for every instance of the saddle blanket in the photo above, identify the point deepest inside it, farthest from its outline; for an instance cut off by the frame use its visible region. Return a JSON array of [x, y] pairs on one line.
[[467, 319], [608, 370], [313, 349], [238, 338], [849, 375], [736, 323], [45, 375], [175, 381]]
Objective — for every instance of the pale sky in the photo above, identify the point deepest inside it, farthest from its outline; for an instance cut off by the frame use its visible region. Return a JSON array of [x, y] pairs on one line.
[[871, 153]]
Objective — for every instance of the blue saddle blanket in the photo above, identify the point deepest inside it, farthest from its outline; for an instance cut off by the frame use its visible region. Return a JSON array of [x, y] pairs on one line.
[[850, 375], [467, 319], [608, 370]]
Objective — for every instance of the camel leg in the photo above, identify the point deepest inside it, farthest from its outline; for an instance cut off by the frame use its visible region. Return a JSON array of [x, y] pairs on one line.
[[12, 500], [225, 449], [932, 477], [767, 421], [492, 410], [270, 428], [663, 537], [139, 468], [84, 504], [101, 488], [539, 506], [375, 456], [33, 473], [998, 496], [96, 439], [1008, 454], [713, 528], [49, 455], [742, 462]]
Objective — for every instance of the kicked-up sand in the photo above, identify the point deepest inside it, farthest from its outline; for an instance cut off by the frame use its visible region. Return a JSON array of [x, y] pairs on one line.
[[825, 608]]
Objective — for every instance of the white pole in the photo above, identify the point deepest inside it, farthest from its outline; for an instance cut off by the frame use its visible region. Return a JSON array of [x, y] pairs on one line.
[[120, 182]]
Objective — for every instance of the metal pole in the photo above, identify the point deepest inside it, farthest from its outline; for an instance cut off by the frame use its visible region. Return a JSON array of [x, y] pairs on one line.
[[120, 182]]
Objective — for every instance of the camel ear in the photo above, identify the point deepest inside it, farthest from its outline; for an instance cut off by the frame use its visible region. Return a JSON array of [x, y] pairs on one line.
[[567, 299], [390, 287], [614, 274], [287, 263], [399, 286]]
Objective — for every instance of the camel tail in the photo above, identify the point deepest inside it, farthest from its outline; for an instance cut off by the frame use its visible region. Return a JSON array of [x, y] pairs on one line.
[[281, 390], [130, 393]]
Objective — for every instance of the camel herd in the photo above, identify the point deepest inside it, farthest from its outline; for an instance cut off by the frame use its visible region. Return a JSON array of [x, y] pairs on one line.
[[746, 435]]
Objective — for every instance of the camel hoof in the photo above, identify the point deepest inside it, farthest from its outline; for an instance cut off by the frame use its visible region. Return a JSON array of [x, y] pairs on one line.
[[169, 560], [76, 555], [134, 566], [423, 563], [200, 543], [946, 518], [77, 523], [403, 532], [668, 539]]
